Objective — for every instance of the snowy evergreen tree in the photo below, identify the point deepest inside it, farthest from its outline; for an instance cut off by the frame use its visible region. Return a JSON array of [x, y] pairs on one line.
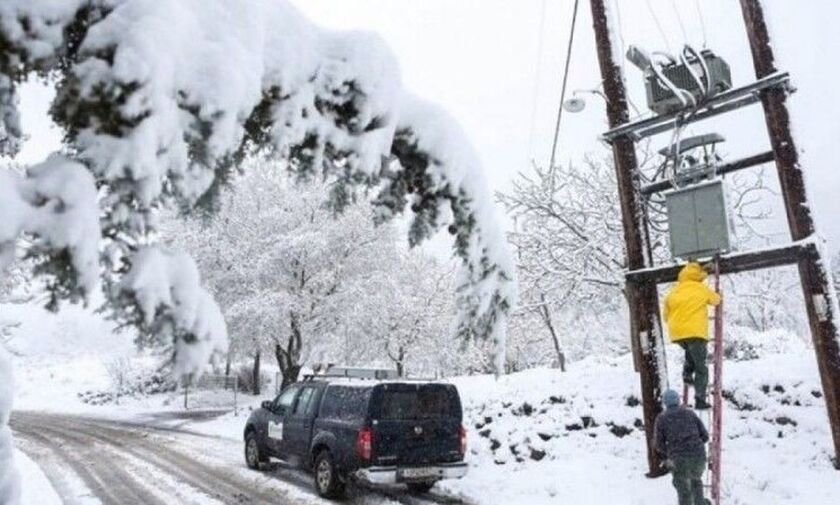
[[161, 100], [150, 106]]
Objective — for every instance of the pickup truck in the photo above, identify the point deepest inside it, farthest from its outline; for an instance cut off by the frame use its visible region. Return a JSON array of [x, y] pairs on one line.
[[375, 431]]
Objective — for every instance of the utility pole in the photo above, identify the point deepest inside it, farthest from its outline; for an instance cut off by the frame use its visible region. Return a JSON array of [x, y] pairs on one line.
[[813, 270], [645, 325]]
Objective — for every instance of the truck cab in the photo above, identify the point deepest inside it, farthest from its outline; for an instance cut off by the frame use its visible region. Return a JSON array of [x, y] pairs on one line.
[[376, 428]]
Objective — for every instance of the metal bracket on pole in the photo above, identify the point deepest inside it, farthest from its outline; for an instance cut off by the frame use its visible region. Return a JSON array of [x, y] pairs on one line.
[[724, 102]]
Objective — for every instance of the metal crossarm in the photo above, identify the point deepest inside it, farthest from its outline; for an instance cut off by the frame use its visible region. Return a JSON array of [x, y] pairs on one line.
[[724, 102], [726, 168], [731, 263]]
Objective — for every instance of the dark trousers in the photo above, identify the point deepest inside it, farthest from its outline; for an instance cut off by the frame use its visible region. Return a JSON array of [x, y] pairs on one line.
[[695, 368], [687, 473]]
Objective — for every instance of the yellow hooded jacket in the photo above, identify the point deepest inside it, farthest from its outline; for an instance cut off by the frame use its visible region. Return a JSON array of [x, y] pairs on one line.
[[686, 305]]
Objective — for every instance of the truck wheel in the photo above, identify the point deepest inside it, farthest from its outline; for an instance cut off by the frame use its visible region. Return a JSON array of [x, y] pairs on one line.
[[420, 487], [327, 481], [254, 456]]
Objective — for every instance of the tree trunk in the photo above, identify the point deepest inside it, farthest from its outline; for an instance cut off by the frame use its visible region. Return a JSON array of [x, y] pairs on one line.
[[256, 374], [546, 317], [401, 362], [288, 359]]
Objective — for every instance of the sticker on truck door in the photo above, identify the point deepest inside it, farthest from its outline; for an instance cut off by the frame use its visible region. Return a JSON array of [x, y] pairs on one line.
[[275, 430]]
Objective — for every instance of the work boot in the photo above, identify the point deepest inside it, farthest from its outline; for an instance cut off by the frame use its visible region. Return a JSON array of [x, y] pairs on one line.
[[700, 404]]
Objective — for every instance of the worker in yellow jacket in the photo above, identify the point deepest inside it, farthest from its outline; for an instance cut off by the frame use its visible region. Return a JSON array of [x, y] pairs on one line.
[[686, 311]]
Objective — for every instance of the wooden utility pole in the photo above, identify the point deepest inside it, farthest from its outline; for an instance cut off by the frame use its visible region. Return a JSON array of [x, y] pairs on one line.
[[816, 280], [645, 326]]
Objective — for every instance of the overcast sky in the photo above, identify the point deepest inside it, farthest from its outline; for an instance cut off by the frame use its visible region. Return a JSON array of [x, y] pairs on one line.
[[481, 59]]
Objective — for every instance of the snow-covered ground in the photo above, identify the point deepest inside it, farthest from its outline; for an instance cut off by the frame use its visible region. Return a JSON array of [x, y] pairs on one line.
[[37, 490], [535, 437]]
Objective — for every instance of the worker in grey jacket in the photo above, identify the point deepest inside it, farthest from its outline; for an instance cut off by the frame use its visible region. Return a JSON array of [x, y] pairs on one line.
[[681, 438]]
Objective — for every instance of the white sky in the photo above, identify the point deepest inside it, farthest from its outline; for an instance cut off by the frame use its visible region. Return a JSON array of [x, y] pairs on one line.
[[479, 59]]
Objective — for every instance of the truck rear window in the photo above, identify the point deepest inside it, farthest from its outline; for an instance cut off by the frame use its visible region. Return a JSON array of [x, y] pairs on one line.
[[414, 403]]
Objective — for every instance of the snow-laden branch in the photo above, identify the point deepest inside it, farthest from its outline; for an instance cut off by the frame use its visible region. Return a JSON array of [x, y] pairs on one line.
[[162, 99]]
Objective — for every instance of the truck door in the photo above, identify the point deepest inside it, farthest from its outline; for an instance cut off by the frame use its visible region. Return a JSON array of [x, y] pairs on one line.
[[297, 430], [280, 412]]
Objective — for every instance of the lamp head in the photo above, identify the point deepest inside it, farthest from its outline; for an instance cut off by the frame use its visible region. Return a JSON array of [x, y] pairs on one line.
[[639, 58], [574, 104]]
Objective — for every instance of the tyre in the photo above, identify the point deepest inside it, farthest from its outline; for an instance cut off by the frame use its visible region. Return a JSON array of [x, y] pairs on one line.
[[255, 457], [420, 487], [328, 482]]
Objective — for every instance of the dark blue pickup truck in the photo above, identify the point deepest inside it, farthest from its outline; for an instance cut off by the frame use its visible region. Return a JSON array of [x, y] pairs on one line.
[[344, 427]]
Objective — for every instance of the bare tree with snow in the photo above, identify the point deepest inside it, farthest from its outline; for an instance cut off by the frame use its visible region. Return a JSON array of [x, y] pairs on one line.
[[286, 271]]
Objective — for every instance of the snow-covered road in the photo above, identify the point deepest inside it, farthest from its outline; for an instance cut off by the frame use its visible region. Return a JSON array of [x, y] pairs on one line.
[[90, 460]]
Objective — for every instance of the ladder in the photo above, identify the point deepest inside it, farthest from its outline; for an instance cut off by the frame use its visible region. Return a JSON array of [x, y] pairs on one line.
[[715, 424]]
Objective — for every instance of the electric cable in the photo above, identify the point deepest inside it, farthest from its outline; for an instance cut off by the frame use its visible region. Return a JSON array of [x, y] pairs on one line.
[[702, 21], [679, 20], [658, 25], [563, 87], [537, 77]]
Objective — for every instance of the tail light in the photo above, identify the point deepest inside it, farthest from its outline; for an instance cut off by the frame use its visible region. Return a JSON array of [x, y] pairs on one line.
[[462, 440], [364, 444]]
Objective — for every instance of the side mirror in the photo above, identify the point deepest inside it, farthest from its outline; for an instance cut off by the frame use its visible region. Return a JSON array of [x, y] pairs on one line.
[[266, 405]]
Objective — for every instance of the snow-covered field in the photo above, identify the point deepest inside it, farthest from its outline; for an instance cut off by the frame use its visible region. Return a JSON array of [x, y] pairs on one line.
[[536, 437]]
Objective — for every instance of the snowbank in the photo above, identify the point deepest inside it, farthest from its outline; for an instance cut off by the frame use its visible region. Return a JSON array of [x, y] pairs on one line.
[[9, 476], [545, 437], [38, 490]]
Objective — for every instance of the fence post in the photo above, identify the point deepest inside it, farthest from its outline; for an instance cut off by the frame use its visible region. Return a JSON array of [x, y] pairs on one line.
[[235, 392], [186, 392]]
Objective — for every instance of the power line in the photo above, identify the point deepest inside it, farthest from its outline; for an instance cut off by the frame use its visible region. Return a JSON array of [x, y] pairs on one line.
[[702, 21], [659, 26], [537, 78], [680, 21], [565, 81]]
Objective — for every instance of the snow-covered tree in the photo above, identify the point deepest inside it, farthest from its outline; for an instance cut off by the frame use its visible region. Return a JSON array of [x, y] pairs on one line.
[[153, 108], [286, 271], [161, 100], [569, 249], [408, 315]]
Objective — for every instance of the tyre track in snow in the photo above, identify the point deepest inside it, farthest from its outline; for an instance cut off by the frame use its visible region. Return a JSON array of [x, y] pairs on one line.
[[98, 451], [98, 454]]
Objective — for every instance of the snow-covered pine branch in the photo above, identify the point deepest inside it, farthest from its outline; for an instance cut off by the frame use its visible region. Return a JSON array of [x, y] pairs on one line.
[[161, 100]]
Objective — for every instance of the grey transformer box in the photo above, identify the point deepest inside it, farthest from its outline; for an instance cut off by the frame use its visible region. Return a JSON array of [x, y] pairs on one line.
[[663, 81], [698, 220]]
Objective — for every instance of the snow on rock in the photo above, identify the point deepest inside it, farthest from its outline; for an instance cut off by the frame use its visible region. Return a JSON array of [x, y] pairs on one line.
[[547, 437], [168, 283]]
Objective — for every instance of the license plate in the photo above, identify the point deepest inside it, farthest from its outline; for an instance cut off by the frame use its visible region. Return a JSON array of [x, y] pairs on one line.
[[418, 473]]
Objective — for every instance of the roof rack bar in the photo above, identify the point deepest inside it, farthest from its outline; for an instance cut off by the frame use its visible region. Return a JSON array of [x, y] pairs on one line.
[[718, 104], [726, 168]]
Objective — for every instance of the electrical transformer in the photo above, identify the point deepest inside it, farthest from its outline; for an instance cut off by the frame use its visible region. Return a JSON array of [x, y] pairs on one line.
[[662, 100], [698, 220]]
